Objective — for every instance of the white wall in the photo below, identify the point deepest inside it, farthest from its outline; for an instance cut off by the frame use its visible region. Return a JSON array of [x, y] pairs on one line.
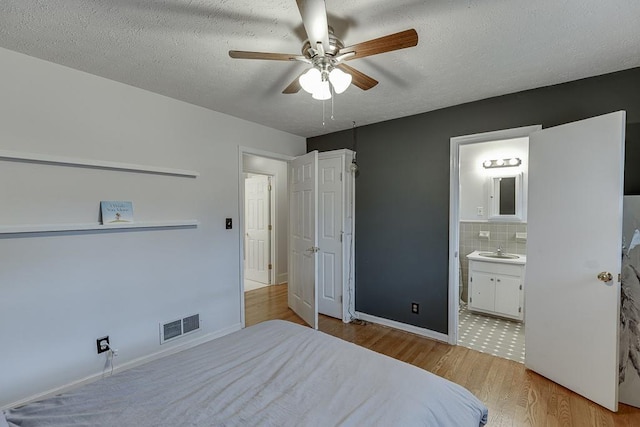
[[278, 169], [61, 291], [474, 178]]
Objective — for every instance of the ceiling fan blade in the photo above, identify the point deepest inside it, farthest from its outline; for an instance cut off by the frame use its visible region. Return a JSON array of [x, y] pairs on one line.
[[242, 54], [359, 79], [401, 40], [314, 18], [294, 86]]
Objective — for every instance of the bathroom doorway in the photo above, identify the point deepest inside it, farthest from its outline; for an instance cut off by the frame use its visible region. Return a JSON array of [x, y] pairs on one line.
[[490, 231]]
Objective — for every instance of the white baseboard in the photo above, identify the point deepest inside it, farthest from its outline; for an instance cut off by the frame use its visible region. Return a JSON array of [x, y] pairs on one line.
[[282, 278], [428, 333], [128, 365]]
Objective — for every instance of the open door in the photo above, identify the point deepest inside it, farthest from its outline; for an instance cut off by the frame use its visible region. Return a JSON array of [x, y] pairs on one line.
[[573, 249], [257, 244], [303, 244]]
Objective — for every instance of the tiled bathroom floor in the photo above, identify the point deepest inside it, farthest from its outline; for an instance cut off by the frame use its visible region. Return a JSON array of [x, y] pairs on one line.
[[492, 335]]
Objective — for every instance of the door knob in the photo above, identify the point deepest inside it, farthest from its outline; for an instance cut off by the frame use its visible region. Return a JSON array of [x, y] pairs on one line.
[[313, 249], [605, 276]]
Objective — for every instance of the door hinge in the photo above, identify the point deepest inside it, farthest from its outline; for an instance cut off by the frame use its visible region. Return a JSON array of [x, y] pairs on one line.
[[340, 176], [520, 287], [619, 277], [471, 278], [470, 299], [340, 299], [341, 233], [269, 187], [519, 309], [270, 266], [270, 227]]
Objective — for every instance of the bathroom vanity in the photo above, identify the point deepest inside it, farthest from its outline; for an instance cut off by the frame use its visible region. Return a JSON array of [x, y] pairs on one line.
[[496, 282]]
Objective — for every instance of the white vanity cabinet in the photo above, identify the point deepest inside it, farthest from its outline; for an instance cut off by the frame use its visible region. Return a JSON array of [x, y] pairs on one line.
[[496, 287]]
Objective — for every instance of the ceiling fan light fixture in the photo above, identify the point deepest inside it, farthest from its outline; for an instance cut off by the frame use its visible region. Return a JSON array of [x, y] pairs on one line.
[[311, 80], [322, 92], [340, 80]]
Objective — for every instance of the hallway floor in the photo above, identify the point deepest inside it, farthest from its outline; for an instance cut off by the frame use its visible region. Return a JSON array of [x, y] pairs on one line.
[[250, 285], [491, 335]]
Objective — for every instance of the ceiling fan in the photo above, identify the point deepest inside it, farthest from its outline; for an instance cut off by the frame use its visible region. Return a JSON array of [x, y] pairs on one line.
[[326, 54]]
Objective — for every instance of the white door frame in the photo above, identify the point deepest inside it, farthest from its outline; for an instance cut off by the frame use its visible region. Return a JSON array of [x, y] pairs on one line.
[[454, 211], [259, 153]]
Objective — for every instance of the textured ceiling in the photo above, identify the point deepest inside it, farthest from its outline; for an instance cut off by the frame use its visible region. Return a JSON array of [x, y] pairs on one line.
[[467, 50]]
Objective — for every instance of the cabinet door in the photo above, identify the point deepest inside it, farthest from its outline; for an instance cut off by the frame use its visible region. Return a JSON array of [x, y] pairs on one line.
[[508, 295], [483, 288]]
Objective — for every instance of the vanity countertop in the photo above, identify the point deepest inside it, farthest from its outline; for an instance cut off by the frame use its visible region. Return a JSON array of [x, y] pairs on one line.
[[476, 256]]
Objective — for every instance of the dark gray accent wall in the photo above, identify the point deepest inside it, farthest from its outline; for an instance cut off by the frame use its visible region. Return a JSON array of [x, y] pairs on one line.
[[402, 187]]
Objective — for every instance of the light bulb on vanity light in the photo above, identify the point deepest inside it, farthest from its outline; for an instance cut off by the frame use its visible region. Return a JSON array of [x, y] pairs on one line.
[[502, 163]]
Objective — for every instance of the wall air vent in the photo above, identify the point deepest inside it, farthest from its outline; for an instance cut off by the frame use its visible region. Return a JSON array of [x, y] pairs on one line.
[[190, 324], [176, 328]]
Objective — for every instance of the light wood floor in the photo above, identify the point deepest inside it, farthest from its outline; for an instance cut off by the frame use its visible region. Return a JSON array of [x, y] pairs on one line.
[[514, 395]]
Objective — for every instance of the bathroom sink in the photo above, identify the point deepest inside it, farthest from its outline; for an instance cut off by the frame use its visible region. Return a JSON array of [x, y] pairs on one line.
[[498, 255]]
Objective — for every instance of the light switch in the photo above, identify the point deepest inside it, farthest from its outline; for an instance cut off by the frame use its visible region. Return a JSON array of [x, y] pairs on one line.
[[228, 224]]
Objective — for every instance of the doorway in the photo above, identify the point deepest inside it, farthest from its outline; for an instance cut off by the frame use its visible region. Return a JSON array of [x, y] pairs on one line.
[[572, 300], [492, 219], [332, 265], [261, 166], [476, 225]]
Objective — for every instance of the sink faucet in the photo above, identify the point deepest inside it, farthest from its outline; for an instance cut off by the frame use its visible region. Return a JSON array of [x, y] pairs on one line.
[[499, 251]]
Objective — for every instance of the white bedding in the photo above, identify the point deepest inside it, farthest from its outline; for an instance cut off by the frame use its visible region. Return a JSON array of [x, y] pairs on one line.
[[275, 374]]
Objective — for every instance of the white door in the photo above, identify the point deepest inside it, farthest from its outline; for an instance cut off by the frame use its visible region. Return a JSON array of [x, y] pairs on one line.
[[303, 247], [330, 237], [257, 242], [574, 233]]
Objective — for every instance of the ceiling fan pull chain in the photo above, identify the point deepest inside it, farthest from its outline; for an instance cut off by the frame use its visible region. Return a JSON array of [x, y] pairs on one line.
[[322, 112], [332, 97]]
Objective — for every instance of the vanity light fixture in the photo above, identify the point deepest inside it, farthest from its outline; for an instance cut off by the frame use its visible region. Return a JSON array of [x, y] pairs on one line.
[[502, 163]]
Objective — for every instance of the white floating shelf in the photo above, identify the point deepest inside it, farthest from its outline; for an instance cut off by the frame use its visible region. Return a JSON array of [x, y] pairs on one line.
[[52, 228], [93, 164]]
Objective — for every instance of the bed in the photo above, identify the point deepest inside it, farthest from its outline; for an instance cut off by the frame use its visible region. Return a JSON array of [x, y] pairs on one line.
[[275, 373]]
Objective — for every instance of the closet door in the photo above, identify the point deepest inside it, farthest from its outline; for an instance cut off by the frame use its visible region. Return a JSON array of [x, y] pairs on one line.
[[330, 219], [303, 242]]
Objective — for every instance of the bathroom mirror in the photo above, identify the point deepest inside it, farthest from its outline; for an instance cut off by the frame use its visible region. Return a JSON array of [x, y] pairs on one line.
[[506, 198]]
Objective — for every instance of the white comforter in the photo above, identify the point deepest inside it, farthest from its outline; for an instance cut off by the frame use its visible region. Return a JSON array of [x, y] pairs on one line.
[[274, 374]]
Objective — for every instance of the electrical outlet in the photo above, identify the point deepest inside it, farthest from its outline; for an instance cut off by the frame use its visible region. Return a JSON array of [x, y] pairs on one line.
[[480, 211], [102, 348], [415, 307]]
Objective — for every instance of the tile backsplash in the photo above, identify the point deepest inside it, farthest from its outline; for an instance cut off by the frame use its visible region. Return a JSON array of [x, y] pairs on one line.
[[502, 234]]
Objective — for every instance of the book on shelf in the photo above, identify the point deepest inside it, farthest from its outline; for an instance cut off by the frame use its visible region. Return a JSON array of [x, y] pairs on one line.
[[116, 212]]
